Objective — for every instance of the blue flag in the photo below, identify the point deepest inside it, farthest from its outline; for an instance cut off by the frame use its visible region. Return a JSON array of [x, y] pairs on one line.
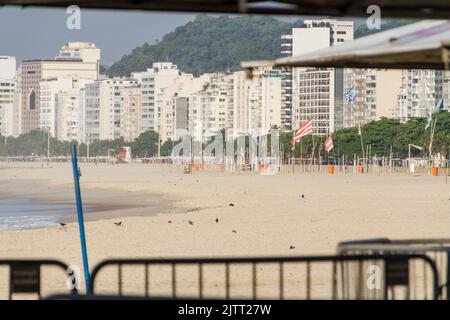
[[350, 95], [439, 106]]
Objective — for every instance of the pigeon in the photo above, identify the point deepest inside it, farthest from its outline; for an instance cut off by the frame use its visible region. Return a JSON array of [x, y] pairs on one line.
[[291, 247], [217, 220], [191, 222], [231, 205], [234, 231], [119, 224], [62, 224]]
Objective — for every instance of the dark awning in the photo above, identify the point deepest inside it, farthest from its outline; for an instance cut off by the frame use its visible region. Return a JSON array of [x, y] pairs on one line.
[[389, 8], [421, 45]]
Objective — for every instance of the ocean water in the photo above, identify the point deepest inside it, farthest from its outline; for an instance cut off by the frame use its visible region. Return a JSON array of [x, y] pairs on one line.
[[18, 214]]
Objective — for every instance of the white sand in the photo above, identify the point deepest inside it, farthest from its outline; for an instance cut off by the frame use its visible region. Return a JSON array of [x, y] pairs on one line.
[[268, 213]]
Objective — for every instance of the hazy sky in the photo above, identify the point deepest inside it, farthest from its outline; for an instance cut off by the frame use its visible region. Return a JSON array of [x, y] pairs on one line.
[[39, 33], [34, 33]]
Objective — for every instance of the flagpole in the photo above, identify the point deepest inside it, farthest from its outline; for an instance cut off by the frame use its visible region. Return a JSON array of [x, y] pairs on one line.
[[432, 133], [301, 156]]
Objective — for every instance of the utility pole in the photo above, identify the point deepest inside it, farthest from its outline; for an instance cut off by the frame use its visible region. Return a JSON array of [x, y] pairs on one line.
[[159, 145], [48, 145]]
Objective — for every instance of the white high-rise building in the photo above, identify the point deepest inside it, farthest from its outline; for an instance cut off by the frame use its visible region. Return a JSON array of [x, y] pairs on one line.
[[210, 106], [153, 82], [314, 99], [257, 102], [9, 97], [375, 95], [102, 109], [341, 31], [175, 104], [7, 67], [78, 61], [446, 90], [300, 41], [231, 101], [48, 95], [315, 35], [85, 51], [70, 115], [130, 112], [420, 91]]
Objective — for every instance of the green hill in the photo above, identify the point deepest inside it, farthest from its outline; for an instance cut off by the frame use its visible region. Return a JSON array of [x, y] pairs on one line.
[[213, 44], [209, 44]]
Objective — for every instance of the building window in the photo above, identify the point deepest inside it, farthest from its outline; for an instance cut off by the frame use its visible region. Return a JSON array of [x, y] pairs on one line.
[[32, 101]]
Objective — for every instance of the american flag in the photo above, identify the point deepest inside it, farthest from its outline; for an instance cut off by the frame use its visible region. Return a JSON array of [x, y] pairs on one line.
[[350, 95], [329, 144], [303, 130]]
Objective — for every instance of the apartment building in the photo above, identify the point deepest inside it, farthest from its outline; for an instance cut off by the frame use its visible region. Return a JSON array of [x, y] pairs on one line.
[[257, 103], [420, 91], [70, 115], [48, 96], [153, 82], [9, 97], [300, 41], [375, 95], [314, 99], [175, 102], [340, 31], [446, 90], [103, 107], [209, 108], [130, 112], [315, 35], [32, 72]]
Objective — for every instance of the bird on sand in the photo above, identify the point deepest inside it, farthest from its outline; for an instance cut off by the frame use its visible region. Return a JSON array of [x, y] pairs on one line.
[[119, 224], [62, 224], [234, 231], [191, 222], [217, 220], [291, 247], [231, 205]]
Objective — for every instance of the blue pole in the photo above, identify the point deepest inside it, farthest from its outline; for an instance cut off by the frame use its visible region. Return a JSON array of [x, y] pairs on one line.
[[76, 178]]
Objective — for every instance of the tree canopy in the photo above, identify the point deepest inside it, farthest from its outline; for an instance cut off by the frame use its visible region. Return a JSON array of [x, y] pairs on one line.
[[380, 135]]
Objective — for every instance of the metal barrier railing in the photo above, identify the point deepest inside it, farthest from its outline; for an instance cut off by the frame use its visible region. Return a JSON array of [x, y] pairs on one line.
[[436, 249], [309, 277], [25, 276]]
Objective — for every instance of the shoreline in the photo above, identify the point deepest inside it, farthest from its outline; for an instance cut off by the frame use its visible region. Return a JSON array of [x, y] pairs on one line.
[[98, 204]]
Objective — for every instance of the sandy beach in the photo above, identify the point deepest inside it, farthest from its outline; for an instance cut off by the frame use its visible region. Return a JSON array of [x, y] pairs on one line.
[[268, 216]]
